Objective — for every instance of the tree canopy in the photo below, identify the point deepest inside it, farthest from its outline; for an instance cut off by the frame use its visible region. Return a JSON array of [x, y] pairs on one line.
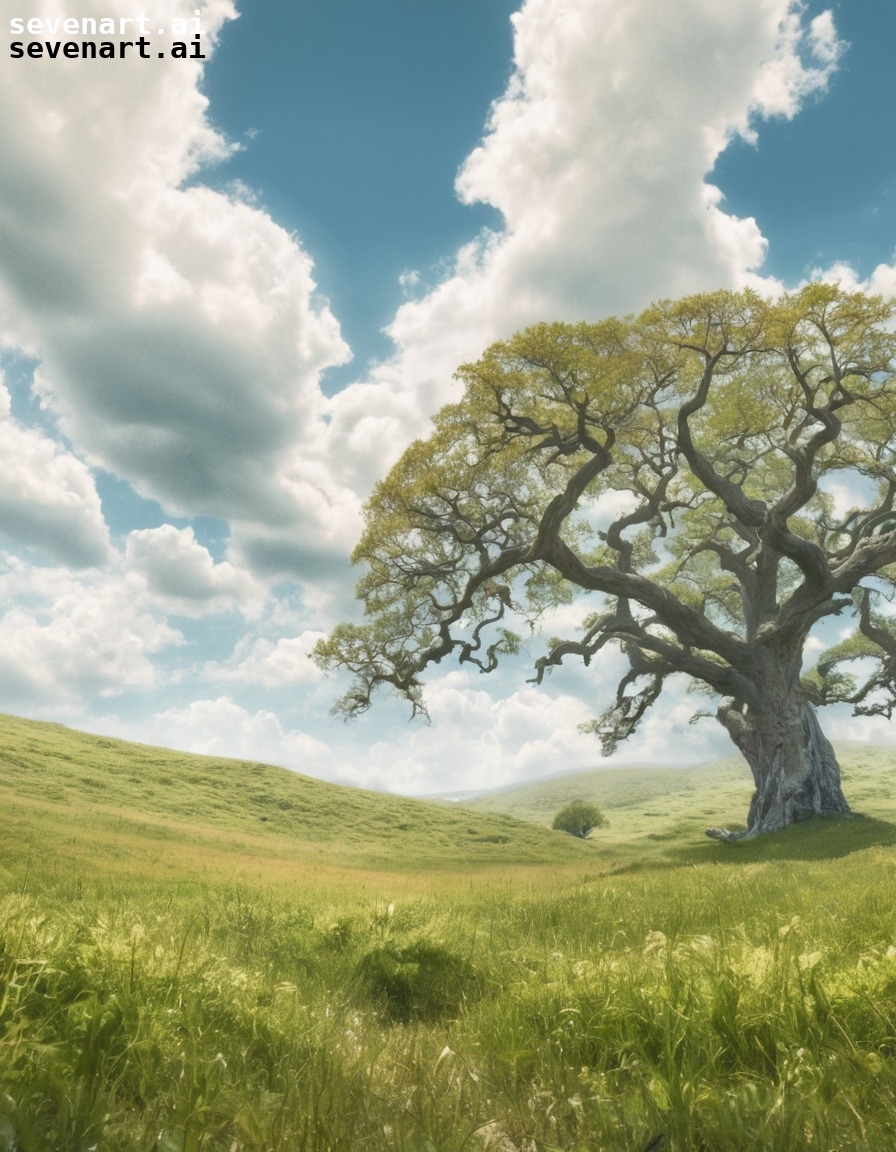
[[717, 472], [579, 818]]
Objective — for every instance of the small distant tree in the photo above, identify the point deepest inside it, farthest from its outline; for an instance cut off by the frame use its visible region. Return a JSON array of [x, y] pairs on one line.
[[579, 818]]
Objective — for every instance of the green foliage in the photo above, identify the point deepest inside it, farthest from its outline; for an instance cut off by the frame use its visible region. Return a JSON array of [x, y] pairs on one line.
[[678, 467], [579, 818]]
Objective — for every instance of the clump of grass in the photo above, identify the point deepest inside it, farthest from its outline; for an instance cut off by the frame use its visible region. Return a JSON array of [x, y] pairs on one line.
[[420, 980]]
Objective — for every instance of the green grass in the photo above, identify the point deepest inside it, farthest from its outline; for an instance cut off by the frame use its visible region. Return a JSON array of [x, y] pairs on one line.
[[182, 976], [126, 806], [660, 812]]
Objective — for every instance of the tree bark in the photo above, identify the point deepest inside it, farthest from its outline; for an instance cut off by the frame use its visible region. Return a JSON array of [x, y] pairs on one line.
[[795, 770]]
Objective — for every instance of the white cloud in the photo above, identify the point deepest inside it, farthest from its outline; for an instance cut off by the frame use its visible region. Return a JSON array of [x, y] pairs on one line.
[[65, 639], [409, 281], [178, 329], [882, 280], [222, 727], [271, 664], [801, 65], [827, 47], [479, 739], [175, 567], [47, 496], [596, 156]]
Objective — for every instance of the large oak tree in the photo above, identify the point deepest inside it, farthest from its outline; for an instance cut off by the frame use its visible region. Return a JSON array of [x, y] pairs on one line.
[[717, 473]]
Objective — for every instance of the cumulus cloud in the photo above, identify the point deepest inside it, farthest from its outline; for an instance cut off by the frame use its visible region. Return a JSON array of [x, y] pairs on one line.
[[222, 727], [881, 281], [178, 329], [596, 156], [480, 739], [172, 564], [271, 664], [800, 67], [65, 639], [48, 499]]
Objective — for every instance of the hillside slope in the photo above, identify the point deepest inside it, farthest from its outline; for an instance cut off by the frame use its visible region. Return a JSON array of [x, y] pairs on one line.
[[205, 953], [81, 805], [67, 793], [647, 804]]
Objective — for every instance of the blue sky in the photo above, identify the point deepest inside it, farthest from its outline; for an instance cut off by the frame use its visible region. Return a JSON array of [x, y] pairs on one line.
[[230, 295], [822, 185], [388, 99]]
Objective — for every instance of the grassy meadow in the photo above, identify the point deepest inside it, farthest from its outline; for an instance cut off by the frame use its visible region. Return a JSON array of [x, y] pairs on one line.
[[198, 953]]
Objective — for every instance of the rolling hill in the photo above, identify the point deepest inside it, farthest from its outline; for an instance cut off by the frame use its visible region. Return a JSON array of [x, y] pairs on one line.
[[90, 801], [201, 953], [649, 805], [86, 804]]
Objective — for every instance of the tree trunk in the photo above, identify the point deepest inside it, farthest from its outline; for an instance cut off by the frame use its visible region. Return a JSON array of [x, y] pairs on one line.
[[795, 770]]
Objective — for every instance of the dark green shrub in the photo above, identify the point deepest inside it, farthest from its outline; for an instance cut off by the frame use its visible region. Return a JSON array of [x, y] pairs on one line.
[[579, 818]]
